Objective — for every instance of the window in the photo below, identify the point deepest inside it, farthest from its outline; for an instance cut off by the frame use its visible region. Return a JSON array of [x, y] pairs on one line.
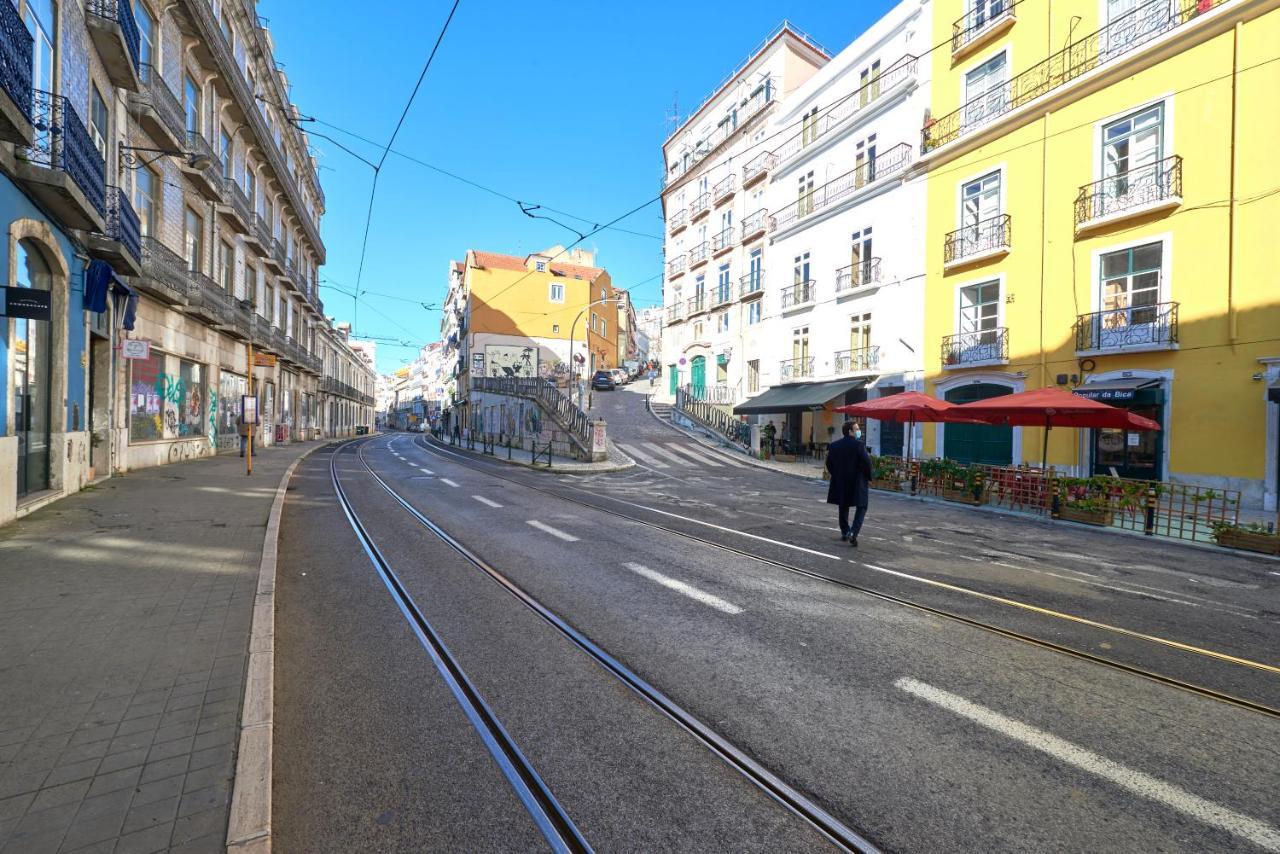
[[225, 152], [604, 328], [860, 256], [755, 267], [555, 329], [753, 374], [800, 269], [864, 161], [699, 287], [227, 267], [697, 331], [228, 31], [984, 90], [804, 195], [595, 320], [99, 121], [146, 34], [869, 84], [1130, 285], [540, 266], [193, 241], [1131, 148], [146, 186], [980, 200], [724, 290], [191, 106], [980, 311], [800, 344], [754, 311], [722, 322], [809, 126], [603, 295], [166, 398], [250, 186], [253, 287], [860, 331]]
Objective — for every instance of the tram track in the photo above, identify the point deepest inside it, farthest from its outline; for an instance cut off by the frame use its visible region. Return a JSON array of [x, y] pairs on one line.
[[556, 825], [934, 610]]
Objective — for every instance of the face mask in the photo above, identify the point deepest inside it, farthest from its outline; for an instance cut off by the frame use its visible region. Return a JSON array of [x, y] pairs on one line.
[[857, 434]]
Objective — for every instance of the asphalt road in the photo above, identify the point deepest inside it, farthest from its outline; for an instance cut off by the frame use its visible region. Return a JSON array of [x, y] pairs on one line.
[[922, 732]]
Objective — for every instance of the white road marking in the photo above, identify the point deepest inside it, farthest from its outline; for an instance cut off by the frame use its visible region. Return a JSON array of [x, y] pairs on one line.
[[655, 448], [1144, 785], [425, 471], [641, 456], [446, 480], [485, 501], [555, 532], [687, 589], [701, 459]]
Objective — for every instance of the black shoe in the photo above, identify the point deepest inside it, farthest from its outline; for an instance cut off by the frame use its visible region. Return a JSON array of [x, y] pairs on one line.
[[844, 538], [853, 541]]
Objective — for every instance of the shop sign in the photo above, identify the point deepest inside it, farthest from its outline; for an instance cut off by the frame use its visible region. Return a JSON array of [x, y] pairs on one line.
[[132, 348], [1106, 393], [26, 303], [263, 360], [249, 408]]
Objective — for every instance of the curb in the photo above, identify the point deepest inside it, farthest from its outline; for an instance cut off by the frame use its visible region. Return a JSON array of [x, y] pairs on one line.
[[572, 468], [249, 826]]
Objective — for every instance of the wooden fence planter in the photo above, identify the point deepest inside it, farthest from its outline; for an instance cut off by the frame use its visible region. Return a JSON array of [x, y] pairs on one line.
[[1101, 518], [1251, 541], [960, 496], [889, 485]]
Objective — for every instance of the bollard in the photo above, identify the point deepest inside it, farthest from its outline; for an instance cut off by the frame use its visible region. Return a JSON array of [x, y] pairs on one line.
[[1055, 500], [977, 485], [1150, 527], [915, 476]]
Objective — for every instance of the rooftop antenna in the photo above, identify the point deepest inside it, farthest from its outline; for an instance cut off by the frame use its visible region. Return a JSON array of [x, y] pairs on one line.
[[673, 115]]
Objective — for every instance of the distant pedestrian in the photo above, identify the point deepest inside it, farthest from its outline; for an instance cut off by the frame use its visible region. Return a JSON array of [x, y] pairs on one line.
[[850, 468], [245, 429], [653, 377], [770, 433]]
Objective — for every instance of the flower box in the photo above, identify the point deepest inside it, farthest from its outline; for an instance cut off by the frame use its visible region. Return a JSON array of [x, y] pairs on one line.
[[890, 485], [1252, 541], [961, 496], [1101, 518]]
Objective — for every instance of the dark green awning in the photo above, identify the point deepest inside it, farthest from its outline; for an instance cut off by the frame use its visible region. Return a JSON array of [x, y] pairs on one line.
[[797, 397]]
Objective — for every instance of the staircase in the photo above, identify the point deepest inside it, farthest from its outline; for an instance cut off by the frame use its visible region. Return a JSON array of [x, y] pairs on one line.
[[662, 410]]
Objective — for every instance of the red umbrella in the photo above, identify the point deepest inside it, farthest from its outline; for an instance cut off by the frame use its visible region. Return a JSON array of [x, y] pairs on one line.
[[909, 408], [1049, 408]]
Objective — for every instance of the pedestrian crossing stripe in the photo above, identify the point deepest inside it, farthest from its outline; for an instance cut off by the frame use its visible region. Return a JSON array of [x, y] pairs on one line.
[[641, 456], [665, 453], [697, 458]]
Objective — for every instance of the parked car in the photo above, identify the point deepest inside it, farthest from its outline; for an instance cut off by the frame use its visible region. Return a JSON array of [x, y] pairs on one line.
[[620, 376], [603, 381]]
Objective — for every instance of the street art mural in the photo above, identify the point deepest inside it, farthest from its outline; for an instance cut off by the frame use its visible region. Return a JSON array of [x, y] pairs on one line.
[[507, 361]]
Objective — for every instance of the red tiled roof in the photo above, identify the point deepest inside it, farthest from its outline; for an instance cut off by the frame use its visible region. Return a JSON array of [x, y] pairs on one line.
[[499, 261], [588, 273]]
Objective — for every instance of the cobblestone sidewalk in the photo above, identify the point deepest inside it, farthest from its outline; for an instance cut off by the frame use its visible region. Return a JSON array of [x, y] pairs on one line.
[[124, 626]]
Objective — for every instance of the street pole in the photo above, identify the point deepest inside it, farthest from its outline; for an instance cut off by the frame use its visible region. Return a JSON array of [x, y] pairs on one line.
[[249, 458], [573, 329]]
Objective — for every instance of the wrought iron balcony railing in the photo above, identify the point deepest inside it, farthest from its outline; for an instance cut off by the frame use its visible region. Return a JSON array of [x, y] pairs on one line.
[[986, 346], [801, 293], [675, 313], [156, 95], [122, 222], [857, 360], [754, 225], [698, 254], [16, 46], [795, 369], [165, 271], [724, 189], [700, 206], [982, 239], [722, 294], [1139, 188], [981, 19], [61, 142], [847, 108], [722, 241], [752, 283], [239, 202], [1145, 327], [1125, 34], [119, 12], [696, 305], [678, 220], [878, 168], [858, 275], [676, 266], [262, 231], [758, 167]]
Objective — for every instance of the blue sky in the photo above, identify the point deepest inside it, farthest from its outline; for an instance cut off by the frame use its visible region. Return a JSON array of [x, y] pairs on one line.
[[553, 103]]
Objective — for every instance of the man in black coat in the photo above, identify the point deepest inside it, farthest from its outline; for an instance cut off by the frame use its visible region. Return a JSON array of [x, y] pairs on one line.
[[850, 467]]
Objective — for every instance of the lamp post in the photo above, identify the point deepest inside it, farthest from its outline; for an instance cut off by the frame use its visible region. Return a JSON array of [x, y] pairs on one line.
[[573, 328]]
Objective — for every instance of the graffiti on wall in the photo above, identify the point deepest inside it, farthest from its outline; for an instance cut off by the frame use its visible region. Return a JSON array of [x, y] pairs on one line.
[[213, 418], [508, 361]]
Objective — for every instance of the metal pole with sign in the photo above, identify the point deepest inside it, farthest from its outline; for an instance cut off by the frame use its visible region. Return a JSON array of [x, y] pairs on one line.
[[245, 406]]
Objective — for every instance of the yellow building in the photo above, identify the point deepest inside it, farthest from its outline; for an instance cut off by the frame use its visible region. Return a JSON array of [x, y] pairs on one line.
[[1104, 196], [533, 316]]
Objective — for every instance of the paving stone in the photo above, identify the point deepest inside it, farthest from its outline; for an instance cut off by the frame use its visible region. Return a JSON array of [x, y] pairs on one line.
[[53, 796], [73, 772], [210, 844], [126, 778], [146, 793], [84, 833], [145, 841], [122, 760], [13, 808], [151, 815]]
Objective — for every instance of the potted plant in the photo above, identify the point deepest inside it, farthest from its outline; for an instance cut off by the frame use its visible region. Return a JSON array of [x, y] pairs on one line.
[[1087, 509], [1252, 537], [885, 474]]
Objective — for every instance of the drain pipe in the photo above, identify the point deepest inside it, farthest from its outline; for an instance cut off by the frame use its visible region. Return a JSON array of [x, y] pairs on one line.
[[1233, 331]]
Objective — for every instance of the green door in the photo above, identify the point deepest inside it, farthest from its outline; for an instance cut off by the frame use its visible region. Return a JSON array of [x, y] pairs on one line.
[[978, 443], [698, 377], [673, 378]]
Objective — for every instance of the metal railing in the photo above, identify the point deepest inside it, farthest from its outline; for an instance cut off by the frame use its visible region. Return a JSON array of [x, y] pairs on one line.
[[981, 347], [709, 412], [165, 269], [755, 224], [848, 107], [793, 369], [724, 188], [987, 236], [722, 294], [61, 142], [696, 305], [1143, 326], [239, 202], [751, 283], [156, 94], [722, 241], [758, 167], [977, 21], [698, 254], [119, 12], [857, 360], [1143, 185], [567, 414], [801, 293], [1123, 35], [675, 312], [858, 275], [16, 46], [199, 146], [122, 222], [678, 220], [700, 205], [881, 166], [262, 232], [677, 266]]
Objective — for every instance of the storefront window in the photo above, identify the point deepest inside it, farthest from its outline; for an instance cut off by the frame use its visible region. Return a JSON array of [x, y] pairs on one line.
[[230, 388], [146, 413], [166, 398], [190, 404]]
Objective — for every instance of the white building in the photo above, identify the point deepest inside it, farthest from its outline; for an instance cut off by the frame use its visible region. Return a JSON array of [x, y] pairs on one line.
[[714, 204], [842, 312]]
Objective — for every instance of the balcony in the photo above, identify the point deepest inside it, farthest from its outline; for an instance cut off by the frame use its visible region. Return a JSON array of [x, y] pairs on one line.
[[15, 78], [61, 167], [981, 26], [697, 304], [273, 255], [120, 245], [675, 313], [698, 255], [235, 208], [754, 226], [722, 242], [164, 273], [210, 302], [724, 190], [848, 186], [261, 234], [701, 207], [676, 267], [1122, 36], [861, 360], [799, 295], [115, 35], [1145, 190], [860, 102], [751, 285], [678, 221], [858, 276], [976, 349], [722, 295], [157, 109], [207, 178], [1135, 328], [790, 370], [758, 167], [973, 244]]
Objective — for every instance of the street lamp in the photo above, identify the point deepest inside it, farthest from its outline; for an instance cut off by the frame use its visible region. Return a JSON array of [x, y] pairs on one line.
[[573, 331], [196, 160]]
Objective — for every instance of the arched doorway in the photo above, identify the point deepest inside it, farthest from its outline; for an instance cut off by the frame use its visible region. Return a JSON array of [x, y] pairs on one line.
[[978, 443], [698, 377], [32, 354]]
